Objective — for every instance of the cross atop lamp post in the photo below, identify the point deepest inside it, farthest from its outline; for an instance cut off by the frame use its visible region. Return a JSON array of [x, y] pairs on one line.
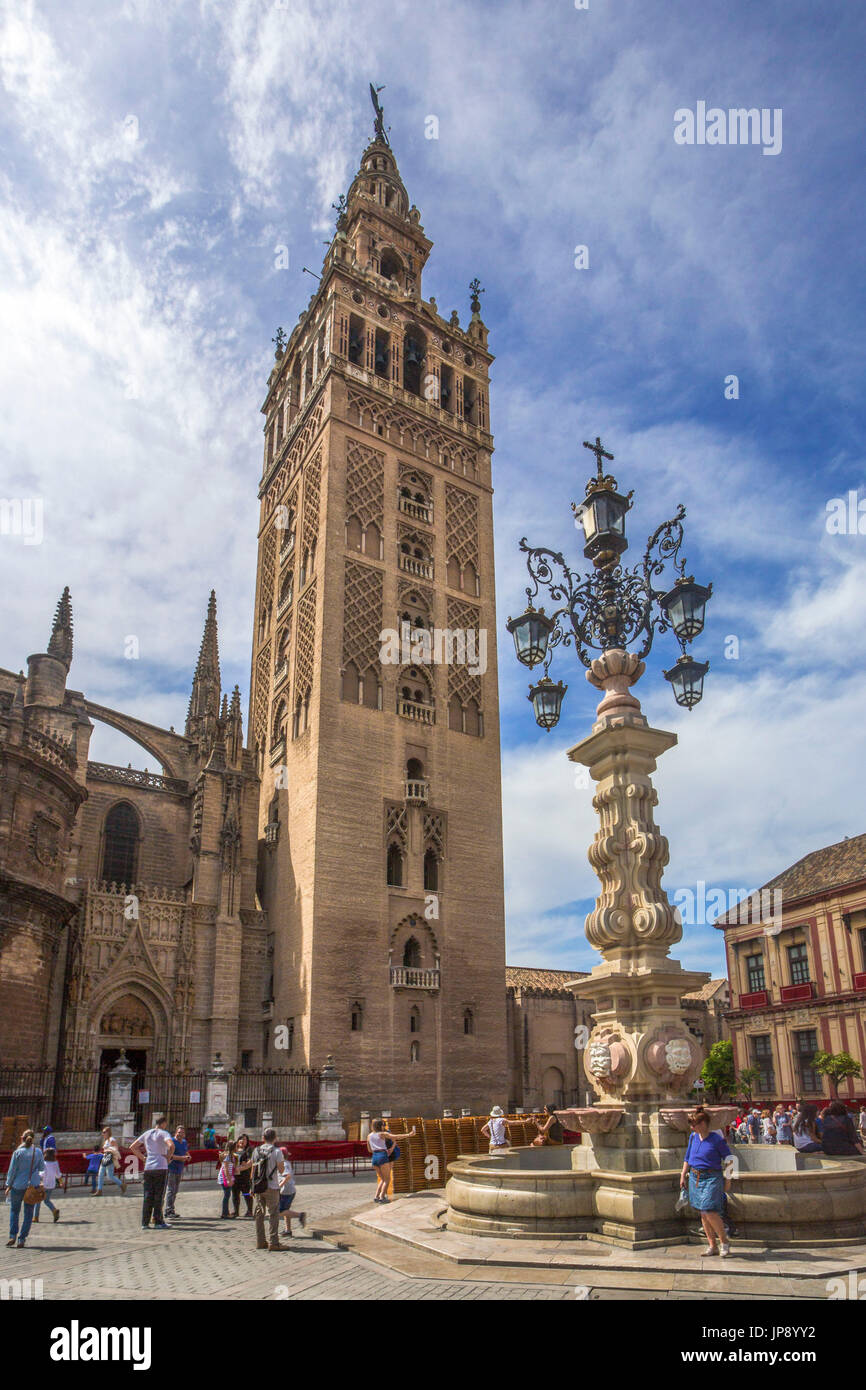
[[611, 606]]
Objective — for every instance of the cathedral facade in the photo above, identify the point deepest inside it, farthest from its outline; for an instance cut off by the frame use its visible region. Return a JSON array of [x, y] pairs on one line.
[[336, 886]]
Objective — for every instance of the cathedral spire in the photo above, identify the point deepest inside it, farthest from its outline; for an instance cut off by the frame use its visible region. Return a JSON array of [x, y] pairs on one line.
[[60, 643], [204, 702]]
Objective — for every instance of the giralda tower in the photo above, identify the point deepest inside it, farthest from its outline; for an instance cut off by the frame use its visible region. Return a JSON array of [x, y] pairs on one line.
[[380, 818]]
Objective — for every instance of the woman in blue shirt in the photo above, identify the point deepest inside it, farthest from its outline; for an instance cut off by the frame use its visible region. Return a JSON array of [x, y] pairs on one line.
[[702, 1170], [26, 1167]]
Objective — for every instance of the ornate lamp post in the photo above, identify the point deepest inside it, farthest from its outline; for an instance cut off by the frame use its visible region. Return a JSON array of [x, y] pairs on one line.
[[610, 607], [640, 1059]]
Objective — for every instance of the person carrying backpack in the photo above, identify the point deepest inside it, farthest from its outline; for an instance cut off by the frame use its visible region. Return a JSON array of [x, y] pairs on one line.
[[268, 1167], [754, 1125]]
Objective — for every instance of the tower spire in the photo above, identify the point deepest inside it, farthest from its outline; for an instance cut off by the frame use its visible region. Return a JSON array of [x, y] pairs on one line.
[[204, 701], [60, 642]]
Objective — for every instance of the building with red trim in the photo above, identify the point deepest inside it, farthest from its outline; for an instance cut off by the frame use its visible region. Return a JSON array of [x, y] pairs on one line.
[[796, 955]]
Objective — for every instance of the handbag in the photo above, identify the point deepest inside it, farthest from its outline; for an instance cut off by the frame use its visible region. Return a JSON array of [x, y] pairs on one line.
[[393, 1153], [33, 1195]]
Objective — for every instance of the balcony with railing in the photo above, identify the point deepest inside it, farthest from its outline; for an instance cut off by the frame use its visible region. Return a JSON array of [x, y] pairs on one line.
[[272, 832], [267, 1010], [419, 511], [278, 750], [422, 569], [281, 673], [420, 713], [287, 547], [284, 604], [417, 790], [413, 977]]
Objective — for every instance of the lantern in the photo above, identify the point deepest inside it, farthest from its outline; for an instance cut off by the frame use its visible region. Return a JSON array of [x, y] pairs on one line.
[[684, 608], [547, 701], [687, 680], [531, 632]]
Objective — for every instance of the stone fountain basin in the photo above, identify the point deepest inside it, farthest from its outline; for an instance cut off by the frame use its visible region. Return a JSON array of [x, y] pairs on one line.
[[777, 1197]]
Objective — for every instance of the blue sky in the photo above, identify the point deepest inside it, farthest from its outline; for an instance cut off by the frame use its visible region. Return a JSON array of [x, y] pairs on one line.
[[156, 154]]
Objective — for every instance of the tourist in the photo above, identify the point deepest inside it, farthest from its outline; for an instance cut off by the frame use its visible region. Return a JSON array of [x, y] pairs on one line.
[[226, 1177], [94, 1160], [268, 1165], [838, 1136], [806, 1140], [550, 1132], [111, 1162], [287, 1196], [179, 1160], [862, 1123], [231, 1132], [52, 1172], [768, 1128], [26, 1167], [243, 1166], [384, 1150], [753, 1125], [496, 1130], [208, 1137], [702, 1171], [155, 1147]]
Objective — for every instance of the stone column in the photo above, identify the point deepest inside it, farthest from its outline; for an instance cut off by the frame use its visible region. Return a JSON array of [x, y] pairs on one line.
[[217, 1111], [120, 1115], [640, 1059], [329, 1124]]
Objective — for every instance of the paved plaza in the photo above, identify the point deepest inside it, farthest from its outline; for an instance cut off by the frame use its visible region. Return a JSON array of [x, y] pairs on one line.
[[97, 1250], [354, 1250]]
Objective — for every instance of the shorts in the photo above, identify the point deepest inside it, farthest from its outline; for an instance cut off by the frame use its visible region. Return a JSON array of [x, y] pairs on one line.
[[380, 1158], [286, 1199]]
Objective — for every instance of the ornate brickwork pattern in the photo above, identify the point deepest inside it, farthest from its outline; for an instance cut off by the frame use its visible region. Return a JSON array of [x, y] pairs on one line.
[[305, 657], [269, 561], [460, 682], [362, 615], [295, 454], [312, 489], [413, 433], [434, 833], [365, 484], [396, 827], [461, 526], [262, 695]]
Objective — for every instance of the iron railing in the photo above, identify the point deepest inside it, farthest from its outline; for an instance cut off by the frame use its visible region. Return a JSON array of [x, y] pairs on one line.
[[76, 1098]]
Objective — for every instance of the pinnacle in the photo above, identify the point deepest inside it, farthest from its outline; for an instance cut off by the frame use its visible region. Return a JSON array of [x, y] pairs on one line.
[[60, 643]]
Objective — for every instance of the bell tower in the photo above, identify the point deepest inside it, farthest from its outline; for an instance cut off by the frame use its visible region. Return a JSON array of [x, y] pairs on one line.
[[374, 708]]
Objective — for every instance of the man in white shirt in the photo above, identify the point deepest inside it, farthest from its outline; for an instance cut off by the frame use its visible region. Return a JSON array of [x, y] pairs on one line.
[[155, 1149], [270, 1158]]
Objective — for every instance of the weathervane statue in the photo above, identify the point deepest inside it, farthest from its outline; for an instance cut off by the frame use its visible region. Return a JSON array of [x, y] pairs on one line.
[[379, 123]]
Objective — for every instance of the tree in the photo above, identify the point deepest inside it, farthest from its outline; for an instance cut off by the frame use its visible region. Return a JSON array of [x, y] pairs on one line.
[[836, 1066], [718, 1073], [748, 1080]]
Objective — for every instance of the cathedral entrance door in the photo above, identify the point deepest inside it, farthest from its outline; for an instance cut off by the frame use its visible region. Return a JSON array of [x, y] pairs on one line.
[[109, 1057]]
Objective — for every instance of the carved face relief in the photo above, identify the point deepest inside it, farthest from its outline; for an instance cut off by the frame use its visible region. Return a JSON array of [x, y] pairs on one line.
[[678, 1056], [600, 1059]]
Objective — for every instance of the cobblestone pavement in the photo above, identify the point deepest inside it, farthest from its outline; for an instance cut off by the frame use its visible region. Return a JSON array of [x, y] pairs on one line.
[[97, 1250]]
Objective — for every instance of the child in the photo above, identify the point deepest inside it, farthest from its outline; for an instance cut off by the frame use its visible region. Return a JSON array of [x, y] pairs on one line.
[[94, 1161], [51, 1177], [226, 1178], [287, 1196]]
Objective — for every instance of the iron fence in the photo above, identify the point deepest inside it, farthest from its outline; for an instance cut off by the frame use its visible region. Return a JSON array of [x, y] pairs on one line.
[[76, 1098]]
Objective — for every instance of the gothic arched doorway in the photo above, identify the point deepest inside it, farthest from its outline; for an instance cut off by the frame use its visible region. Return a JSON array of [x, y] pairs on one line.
[[126, 1026]]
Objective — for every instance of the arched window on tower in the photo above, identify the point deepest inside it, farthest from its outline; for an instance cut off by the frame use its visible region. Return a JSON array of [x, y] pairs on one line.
[[468, 1022], [414, 1019], [353, 533], [372, 689], [414, 353], [412, 954], [394, 867], [415, 1051], [390, 266], [351, 683], [431, 871], [357, 1018], [121, 838]]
